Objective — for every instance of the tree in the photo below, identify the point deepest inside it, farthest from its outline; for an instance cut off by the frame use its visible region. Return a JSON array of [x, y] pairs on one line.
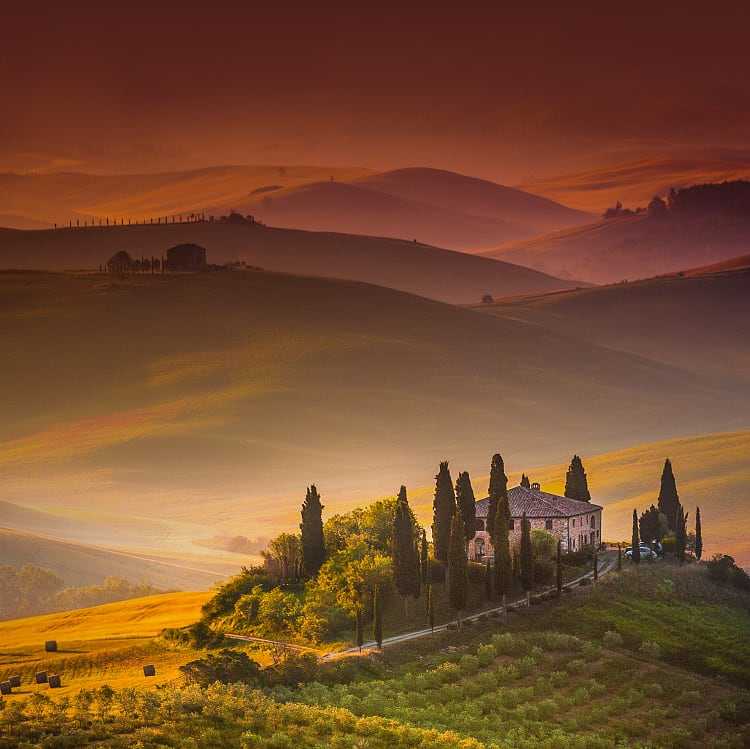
[[650, 525], [417, 571], [377, 617], [501, 546], [404, 550], [527, 555], [283, 556], [619, 557], [525, 481], [698, 534], [657, 208], [669, 500], [558, 568], [430, 609], [443, 509], [680, 533], [466, 503], [635, 543], [457, 565], [488, 580], [359, 633], [313, 544], [576, 483], [498, 489], [424, 560]]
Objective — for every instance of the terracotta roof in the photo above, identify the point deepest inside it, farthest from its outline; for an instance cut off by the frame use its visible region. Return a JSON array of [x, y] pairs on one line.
[[538, 504]]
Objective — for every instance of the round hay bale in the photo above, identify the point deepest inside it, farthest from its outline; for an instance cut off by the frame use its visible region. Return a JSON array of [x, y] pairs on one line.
[[51, 646], [5, 687], [15, 681], [55, 682], [40, 677], [149, 670]]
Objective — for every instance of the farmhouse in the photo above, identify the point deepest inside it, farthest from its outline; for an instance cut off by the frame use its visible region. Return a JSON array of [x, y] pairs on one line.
[[576, 524]]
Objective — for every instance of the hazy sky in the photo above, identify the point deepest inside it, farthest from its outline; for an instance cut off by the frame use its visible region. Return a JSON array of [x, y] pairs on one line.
[[496, 90]]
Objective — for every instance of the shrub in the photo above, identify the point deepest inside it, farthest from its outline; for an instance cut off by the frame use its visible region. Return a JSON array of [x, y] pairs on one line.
[[653, 689], [612, 639], [505, 644], [485, 654], [227, 595], [227, 667], [469, 664], [650, 649]]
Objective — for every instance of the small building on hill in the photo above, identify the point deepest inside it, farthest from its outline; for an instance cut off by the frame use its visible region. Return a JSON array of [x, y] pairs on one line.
[[186, 257], [576, 524]]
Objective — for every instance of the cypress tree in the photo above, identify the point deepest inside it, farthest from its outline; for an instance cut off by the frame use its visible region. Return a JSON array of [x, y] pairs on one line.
[[525, 481], [443, 509], [457, 566], [576, 483], [417, 571], [405, 559], [313, 543], [497, 490], [596, 565], [558, 568], [501, 545], [669, 500], [466, 503], [359, 633], [488, 580], [635, 543], [377, 617], [680, 533], [430, 609], [619, 557], [424, 560], [527, 555], [698, 534], [516, 565]]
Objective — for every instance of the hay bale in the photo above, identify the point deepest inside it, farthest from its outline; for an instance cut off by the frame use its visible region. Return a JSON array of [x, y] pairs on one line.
[[149, 670], [40, 677], [5, 687], [15, 681], [54, 681], [51, 646]]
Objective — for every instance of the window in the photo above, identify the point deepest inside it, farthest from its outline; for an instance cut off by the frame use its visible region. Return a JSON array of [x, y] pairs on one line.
[[574, 522], [512, 523], [548, 524], [593, 521]]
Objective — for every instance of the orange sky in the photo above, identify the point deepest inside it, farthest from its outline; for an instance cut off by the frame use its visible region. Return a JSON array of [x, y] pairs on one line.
[[498, 91]]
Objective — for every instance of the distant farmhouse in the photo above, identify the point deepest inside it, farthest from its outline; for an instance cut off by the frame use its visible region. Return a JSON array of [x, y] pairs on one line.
[[574, 523], [186, 257]]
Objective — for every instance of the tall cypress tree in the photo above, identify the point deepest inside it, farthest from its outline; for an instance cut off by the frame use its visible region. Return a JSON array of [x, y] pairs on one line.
[[680, 533], [497, 490], [430, 609], [501, 545], [405, 559], [377, 617], [558, 568], [488, 580], [635, 542], [576, 483], [525, 481], [669, 500], [443, 509], [457, 565], [698, 534], [313, 543], [527, 555], [417, 571], [466, 503], [424, 560]]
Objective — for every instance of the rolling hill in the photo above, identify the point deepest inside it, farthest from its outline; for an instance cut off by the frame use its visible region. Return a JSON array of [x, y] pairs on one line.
[[634, 183], [631, 247], [697, 320], [214, 399], [419, 269], [434, 206]]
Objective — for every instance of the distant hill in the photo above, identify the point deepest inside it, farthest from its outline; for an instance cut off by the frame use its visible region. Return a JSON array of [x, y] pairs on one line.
[[634, 183], [434, 206], [77, 564], [417, 268], [214, 399], [697, 320]]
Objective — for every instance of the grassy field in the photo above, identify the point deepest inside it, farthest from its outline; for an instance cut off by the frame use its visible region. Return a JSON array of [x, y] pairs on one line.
[[105, 643]]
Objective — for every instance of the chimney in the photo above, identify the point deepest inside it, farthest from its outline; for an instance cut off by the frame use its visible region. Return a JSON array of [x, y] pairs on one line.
[[535, 486]]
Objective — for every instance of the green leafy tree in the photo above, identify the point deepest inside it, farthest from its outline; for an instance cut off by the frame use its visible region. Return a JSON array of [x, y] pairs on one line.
[[498, 489], [443, 509], [650, 526], [359, 630], [669, 499], [527, 555], [405, 558], [698, 534], [576, 483], [313, 543], [466, 503], [377, 617], [457, 566], [635, 542], [501, 546]]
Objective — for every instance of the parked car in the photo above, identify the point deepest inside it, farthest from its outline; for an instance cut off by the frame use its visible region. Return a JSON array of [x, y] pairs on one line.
[[646, 552]]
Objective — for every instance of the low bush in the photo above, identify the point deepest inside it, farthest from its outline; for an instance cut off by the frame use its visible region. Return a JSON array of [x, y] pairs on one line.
[[612, 639], [650, 649]]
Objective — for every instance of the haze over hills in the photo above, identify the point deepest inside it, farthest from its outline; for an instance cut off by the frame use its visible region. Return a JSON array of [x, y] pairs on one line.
[[432, 205], [634, 183], [215, 398], [698, 320], [419, 269]]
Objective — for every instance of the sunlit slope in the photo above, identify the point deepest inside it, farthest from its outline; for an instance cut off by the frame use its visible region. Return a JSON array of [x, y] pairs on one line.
[[58, 198], [635, 183], [419, 269], [431, 205], [630, 247], [698, 320], [79, 564], [214, 399]]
